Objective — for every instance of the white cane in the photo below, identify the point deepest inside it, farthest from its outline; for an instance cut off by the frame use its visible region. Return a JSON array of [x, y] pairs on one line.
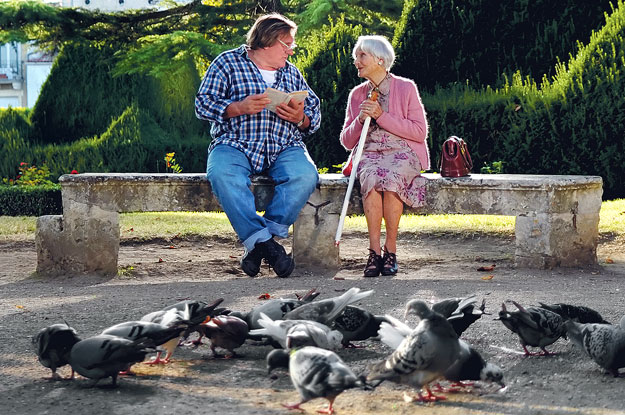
[[352, 177]]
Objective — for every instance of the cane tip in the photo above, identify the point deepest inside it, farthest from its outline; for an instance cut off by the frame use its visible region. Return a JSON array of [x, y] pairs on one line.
[[337, 243]]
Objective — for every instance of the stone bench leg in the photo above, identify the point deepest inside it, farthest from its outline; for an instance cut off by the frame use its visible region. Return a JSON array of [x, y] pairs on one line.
[[314, 233], [81, 241], [556, 240]]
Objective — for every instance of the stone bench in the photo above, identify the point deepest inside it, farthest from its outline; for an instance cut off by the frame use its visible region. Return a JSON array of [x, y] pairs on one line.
[[557, 217]]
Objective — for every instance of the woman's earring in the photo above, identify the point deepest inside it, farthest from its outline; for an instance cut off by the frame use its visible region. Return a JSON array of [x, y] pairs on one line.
[[380, 62]]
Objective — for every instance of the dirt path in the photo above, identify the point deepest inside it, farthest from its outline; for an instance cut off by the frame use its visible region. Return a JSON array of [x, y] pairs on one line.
[[160, 273]]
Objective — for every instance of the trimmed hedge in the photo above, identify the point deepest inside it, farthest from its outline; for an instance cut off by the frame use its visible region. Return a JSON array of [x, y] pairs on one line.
[[572, 125], [329, 70], [30, 200], [474, 42]]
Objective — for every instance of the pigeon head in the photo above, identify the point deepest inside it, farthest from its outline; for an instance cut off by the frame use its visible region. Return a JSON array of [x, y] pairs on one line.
[[418, 308], [492, 373], [277, 358]]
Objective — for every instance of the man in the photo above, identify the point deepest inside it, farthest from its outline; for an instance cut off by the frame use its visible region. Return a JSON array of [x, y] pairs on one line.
[[249, 139]]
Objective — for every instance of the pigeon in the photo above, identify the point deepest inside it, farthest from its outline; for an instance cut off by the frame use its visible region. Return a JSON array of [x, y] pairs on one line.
[[53, 345], [198, 311], [577, 313], [275, 308], [460, 312], [604, 343], [297, 333], [320, 373], [277, 358], [535, 326], [158, 334], [469, 366], [356, 323], [104, 355], [326, 311], [225, 331], [424, 355], [172, 317]]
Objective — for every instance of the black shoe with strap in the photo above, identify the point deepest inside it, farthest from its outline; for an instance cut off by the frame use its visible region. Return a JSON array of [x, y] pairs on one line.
[[275, 255], [389, 263], [374, 264]]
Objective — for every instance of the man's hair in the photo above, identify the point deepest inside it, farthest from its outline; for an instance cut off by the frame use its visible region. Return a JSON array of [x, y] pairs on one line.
[[268, 28]]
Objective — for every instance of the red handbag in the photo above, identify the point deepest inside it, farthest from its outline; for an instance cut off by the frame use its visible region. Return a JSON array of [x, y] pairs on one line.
[[347, 168], [455, 160]]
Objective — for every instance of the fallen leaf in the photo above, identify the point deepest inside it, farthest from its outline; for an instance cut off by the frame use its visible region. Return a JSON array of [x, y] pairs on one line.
[[172, 247], [609, 261], [488, 277], [490, 268], [160, 260], [264, 296], [20, 306], [338, 278]]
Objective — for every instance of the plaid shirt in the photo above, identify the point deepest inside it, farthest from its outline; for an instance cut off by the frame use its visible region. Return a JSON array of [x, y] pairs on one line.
[[231, 77]]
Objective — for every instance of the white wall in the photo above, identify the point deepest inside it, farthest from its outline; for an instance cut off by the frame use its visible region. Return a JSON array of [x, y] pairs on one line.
[[6, 102], [36, 75]]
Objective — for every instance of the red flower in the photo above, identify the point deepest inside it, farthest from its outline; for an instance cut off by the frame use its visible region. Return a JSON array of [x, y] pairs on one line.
[[74, 172], [23, 163]]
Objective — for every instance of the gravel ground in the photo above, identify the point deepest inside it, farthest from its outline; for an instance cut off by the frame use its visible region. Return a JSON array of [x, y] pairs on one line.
[[158, 273]]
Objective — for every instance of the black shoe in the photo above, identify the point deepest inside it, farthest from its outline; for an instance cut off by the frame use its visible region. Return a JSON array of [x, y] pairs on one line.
[[276, 257], [250, 263], [374, 264], [389, 263]]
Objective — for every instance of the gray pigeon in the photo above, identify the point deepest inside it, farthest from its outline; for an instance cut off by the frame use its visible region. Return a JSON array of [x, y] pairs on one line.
[[53, 345], [165, 336], [172, 317], [424, 355], [469, 366], [297, 333], [356, 323], [577, 313], [326, 311], [320, 373], [277, 358], [105, 355], [604, 343], [227, 332], [460, 312], [197, 312], [535, 326], [275, 308]]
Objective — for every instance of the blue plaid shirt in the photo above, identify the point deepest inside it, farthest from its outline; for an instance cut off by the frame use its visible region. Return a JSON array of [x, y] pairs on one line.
[[231, 77]]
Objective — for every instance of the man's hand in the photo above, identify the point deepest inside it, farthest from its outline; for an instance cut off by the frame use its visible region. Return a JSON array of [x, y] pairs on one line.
[[252, 104], [291, 112]]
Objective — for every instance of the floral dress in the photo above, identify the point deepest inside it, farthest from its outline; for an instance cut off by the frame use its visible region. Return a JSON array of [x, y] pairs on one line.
[[388, 164]]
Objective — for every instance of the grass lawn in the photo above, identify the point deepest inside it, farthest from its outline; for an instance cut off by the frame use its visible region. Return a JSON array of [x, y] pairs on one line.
[[168, 224]]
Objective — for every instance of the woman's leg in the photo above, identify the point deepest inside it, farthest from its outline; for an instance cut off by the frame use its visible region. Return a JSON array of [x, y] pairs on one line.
[[392, 211], [373, 213]]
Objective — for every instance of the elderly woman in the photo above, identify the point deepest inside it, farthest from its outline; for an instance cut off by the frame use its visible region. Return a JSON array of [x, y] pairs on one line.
[[395, 149]]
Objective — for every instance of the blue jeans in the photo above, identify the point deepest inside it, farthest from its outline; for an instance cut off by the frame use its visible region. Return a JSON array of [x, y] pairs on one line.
[[295, 175]]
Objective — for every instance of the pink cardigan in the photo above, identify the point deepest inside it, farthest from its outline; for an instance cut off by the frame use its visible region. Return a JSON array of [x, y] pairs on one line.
[[405, 117]]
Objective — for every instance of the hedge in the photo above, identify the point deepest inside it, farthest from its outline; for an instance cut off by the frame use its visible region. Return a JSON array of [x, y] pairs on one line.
[[30, 200]]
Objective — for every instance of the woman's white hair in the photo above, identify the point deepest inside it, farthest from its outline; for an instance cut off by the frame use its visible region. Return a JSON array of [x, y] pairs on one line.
[[379, 47]]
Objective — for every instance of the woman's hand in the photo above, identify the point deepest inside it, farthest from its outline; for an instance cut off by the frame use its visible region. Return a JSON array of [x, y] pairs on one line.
[[369, 108]]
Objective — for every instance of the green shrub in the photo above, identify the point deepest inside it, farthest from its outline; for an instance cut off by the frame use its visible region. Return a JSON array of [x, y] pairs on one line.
[[329, 70], [572, 125], [30, 200], [439, 42], [134, 142]]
